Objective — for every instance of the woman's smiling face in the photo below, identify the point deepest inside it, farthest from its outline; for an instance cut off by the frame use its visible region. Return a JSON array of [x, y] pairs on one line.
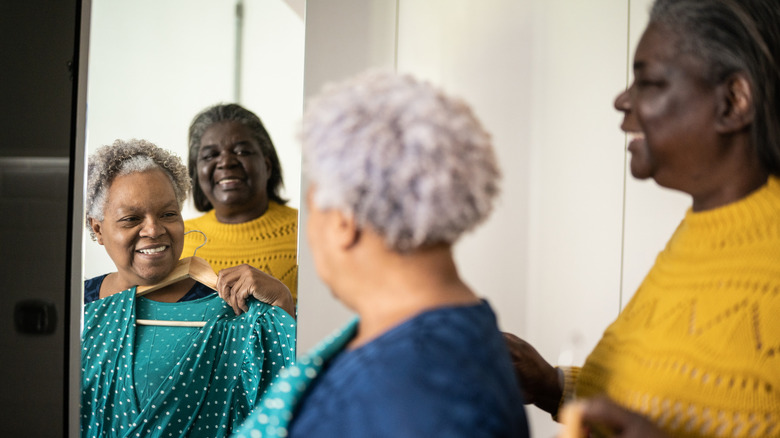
[[232, 170], [670, 114], [142, 227]]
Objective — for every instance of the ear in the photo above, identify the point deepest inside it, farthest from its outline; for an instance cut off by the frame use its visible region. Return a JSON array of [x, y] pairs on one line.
[[735, 109], [346, 231], [97, 228]]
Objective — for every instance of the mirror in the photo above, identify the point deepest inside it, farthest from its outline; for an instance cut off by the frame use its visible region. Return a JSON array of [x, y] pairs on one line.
[[573, 233], [153, 66]]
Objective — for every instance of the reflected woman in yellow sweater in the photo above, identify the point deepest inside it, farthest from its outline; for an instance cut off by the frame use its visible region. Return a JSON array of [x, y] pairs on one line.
[[696, 352], [237, 179]]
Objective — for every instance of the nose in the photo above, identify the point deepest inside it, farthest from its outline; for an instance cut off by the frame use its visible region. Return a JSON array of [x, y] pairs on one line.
[[226, 160], [623, 101], [152, 228]]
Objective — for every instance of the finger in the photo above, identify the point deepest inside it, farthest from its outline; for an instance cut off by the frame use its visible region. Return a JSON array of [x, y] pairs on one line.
[[228, 276], [233, 301], [226, 290], [248, 289]]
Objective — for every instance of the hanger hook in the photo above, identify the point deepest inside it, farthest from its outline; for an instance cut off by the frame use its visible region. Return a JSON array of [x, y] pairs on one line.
[[205, 240]]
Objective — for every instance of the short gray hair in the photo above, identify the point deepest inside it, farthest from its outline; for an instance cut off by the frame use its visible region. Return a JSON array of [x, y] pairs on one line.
[[401, 157], [123, 158]]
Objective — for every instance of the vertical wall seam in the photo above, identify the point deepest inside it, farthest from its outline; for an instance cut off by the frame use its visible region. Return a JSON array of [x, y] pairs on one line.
[[625, 167], [239, 49], [397, 25]]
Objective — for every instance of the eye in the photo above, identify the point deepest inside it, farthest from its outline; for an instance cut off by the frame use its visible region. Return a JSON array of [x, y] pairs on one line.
[[171, 215], [129, 221], [243, 150], [646, 84], [207, 154]]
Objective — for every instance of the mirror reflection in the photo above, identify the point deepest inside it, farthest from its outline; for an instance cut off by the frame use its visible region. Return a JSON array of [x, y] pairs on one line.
[[218, 86], [169, 355], [150, 74]]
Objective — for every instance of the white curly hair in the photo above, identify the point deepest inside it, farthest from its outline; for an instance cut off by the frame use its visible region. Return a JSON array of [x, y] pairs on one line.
[[401, 157], [125, 157]]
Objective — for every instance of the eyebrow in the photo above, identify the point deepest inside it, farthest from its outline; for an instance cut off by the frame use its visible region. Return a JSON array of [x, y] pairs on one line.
[[232, 144], [133, 208]]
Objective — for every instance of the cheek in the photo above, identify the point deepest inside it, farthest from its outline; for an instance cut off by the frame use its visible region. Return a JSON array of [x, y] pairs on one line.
[[118, 245], [204, 177], [177, 237], [204, 169], [258, 171], [315, 236]]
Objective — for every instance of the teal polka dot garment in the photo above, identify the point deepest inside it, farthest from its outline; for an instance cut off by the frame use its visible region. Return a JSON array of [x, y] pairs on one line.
[[157, 381]]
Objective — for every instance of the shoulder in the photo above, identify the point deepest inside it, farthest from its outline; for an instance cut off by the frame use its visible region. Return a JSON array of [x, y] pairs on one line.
[[443, 371], [92, 288], [205, 218], [282, 212], [273, 320]]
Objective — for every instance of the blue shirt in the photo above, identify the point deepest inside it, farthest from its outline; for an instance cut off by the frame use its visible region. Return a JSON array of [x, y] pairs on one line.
[[445, 372], [92, 290]]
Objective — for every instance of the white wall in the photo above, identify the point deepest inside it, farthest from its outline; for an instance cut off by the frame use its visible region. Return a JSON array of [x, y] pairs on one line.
[[154, 65], [343, 37], [574, 234]]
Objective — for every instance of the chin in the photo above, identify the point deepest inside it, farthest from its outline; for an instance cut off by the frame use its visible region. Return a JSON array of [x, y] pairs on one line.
[[640, 170], [641, 175], [154, 276]]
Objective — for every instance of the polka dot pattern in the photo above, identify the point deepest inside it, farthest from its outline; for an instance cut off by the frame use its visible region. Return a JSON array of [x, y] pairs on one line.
[[142, 381], [272, 417]]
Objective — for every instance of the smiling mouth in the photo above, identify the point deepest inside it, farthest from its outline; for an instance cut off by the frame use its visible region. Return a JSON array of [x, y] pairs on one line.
[[159, 249], [228, 181], [635, 140]]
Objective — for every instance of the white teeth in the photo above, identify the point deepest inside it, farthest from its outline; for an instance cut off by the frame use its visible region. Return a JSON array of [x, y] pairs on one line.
[[636, 136], [152, 250], [228, 180]]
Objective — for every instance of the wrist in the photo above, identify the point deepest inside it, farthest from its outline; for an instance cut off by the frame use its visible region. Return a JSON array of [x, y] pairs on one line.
[[550, 399], [567, 386]]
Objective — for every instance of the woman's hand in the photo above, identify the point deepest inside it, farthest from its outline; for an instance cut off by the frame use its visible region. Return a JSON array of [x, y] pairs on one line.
[[603, 415], [538, 379], [238, 283]]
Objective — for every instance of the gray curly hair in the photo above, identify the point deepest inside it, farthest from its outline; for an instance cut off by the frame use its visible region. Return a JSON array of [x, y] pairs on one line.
[[401, 157], [123, 158]]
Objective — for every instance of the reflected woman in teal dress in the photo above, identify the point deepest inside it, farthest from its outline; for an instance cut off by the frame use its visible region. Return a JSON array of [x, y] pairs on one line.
[[159, 380]]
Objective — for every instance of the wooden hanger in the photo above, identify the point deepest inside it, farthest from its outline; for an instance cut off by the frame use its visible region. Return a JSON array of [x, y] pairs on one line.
[[189, 267]]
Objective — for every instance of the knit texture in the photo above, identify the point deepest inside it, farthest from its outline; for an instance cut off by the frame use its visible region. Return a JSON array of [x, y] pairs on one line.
[[697, 348], [269, 243]]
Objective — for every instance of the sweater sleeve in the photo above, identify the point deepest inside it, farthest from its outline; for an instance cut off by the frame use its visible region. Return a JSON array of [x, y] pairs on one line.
[[570, 376]]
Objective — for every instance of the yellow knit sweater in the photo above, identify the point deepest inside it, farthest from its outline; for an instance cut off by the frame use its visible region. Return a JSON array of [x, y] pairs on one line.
[[698, 346], [269, 243]]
